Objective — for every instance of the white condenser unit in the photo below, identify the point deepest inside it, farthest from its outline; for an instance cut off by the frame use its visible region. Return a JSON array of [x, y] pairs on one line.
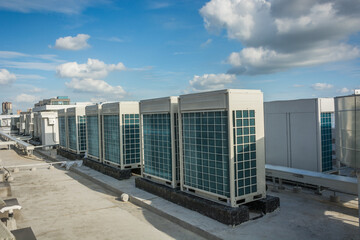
[[160, 140], [76, 129], [299, 133], [121, 134], [93, 132], [222, 155]]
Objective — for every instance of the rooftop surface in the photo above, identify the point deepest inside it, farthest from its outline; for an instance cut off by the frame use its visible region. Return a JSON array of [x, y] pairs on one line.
[[77, 204]]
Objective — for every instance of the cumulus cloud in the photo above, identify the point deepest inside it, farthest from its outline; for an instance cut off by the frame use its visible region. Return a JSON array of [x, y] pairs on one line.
[[89, 85], [26, 98], [6, 77], [86, 78], [281, 34], [344, 90], [72, 43], [321, 86], [94, 68], [211, 81]]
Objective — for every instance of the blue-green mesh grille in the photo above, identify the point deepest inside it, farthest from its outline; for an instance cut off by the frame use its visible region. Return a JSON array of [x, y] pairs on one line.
[[326, 141], [93, 135], [112, 138], [157, 145], [62, 131], [72, 133], [131, 138], [82, 133], [244, 152], [206, 151]]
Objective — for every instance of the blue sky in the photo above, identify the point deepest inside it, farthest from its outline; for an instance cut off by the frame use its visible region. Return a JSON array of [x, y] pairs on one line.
[[99, 50]]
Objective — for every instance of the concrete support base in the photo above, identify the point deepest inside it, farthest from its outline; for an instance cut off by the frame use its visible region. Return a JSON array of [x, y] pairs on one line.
[[224, 214], [69, 155], [108, 170]]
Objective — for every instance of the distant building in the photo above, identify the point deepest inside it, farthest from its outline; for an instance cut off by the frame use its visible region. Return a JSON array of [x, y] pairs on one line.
[[60, 100], [18, 112], [6, 108]]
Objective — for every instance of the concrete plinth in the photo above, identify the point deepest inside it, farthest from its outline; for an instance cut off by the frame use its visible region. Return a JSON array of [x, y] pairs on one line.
[[224, 214], [69, 155], [108, 170]]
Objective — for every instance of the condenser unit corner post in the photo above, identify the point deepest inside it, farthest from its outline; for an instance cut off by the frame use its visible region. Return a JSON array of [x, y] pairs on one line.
[[93, 132], [159, 133], [222, 147]]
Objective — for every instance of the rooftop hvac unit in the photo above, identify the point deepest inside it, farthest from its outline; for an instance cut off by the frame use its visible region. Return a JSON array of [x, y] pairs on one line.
[[159, 129], [15, 123], [76, 129], [29, 124], [37, 125], [299, 133], [121, 134], [49, 129], [347, 118], [22, 124], [93, 131], [222, 155], [63, 130]]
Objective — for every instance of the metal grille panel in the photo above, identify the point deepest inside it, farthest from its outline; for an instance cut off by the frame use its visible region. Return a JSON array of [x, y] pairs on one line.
[[157, 145], [82, 133], [244, 152], [206, 153], [72, 133], [62, 131], [326, 141], [131, 138], [112, 138], [93, 135]]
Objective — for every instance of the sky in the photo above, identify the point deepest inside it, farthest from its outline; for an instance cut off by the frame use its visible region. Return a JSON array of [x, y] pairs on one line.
[[105, 50]]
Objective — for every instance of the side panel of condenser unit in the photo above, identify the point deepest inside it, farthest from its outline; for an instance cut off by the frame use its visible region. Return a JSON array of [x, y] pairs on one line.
[[276, 139]]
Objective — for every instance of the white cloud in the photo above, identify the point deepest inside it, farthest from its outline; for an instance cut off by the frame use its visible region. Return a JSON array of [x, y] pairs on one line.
[[94, 69], [206, 43], [72, 43], [321, 86], [64, 6], [281, 34], [211, 81], [10, 54], [29, 76], [31, 99], [6, 77], [98, 87], [344, 90]]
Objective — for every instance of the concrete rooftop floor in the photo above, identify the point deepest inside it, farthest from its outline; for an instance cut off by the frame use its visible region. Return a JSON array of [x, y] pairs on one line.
[[60, 204]]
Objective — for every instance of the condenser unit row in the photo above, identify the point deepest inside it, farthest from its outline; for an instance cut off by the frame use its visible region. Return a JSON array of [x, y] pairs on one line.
[[212, 144]]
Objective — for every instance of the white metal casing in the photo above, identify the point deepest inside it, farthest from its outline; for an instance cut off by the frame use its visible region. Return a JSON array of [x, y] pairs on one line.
[[118, 109], [293, 132], [49, 128], [230, 101], [166, 105], [347, 118], [94, 110]]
